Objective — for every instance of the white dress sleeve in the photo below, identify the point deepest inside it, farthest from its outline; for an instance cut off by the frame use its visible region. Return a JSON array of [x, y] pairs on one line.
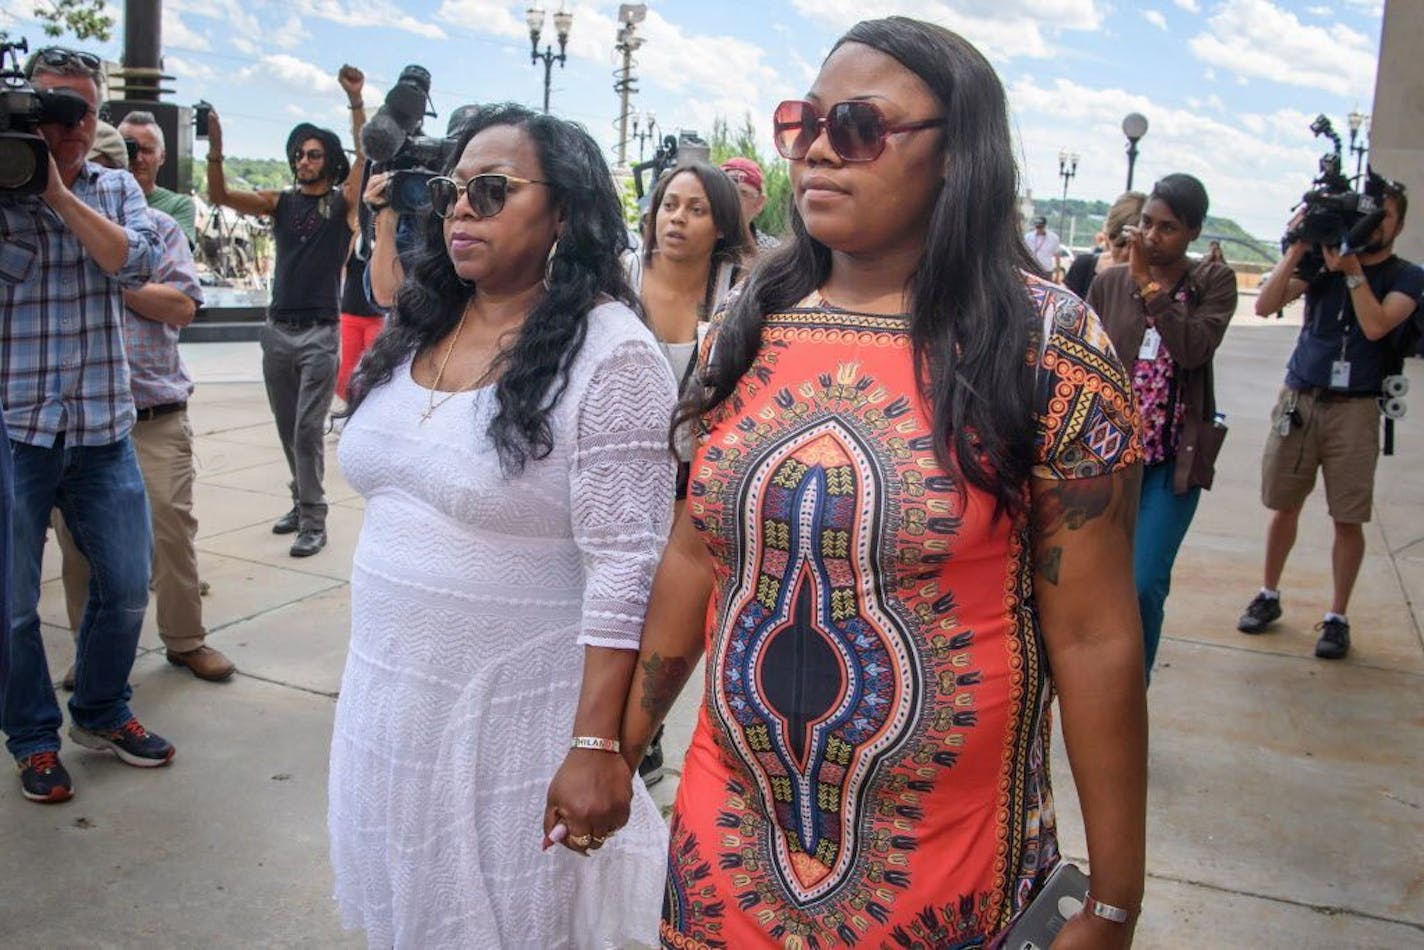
[[621, 489]]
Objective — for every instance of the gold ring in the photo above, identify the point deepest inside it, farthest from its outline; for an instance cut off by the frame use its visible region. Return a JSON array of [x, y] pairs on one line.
[[599, 839], [581, 841]]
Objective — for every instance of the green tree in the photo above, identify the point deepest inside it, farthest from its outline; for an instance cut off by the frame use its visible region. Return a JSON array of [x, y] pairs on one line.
[[775, 216], [86, 19], [247, 173]]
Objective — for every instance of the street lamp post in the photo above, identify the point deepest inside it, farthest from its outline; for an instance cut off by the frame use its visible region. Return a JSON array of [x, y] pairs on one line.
[[1358, 122], [625, 83], [648, 131], [563, 20], [1134, 126], [1067, 170]]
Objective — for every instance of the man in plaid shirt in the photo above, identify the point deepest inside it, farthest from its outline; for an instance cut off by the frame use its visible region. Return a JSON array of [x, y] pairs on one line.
[[65, 258]]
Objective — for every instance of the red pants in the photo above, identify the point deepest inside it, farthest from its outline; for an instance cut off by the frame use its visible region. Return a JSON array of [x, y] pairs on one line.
[[357, 333]]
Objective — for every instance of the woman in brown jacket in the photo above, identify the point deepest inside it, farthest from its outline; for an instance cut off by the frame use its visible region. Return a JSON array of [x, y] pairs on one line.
[[1167, 315]]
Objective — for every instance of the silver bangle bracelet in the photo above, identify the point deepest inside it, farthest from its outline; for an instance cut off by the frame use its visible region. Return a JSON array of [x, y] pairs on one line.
[[1106, 911]]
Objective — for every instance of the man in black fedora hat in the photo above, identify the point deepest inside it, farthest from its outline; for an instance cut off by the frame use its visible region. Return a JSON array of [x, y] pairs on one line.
[[312, 226]]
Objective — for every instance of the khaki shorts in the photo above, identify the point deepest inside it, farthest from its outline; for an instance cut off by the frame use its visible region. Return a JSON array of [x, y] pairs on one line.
[[1338, 435]]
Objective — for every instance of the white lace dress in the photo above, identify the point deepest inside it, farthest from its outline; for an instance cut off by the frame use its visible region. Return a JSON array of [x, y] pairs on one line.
[[472, 598]]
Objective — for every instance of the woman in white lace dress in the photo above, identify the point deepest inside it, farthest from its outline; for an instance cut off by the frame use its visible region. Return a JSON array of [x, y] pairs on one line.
[[509, 435]]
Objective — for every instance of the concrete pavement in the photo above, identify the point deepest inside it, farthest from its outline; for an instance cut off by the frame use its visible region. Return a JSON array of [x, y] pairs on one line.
[[1287, 795]]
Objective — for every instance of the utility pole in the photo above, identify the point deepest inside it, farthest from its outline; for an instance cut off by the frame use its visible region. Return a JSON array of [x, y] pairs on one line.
[[628, 42]]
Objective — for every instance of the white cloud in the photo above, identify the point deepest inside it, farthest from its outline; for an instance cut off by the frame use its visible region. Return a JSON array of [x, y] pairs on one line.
[[1001, 28], [482, 16], [1256, 38], [1191, 6], [369, 13], [183, 68], [176, 33], [711, 75], [291, 34], [296, 74], [1245, 161], [1156, 18], [1320, 11]]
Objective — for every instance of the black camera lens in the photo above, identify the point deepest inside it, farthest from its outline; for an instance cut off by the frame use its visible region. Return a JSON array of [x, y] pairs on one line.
[[409, 193]]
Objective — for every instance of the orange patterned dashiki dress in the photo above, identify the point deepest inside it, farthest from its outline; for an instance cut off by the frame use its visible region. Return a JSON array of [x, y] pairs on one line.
[[870, 764]]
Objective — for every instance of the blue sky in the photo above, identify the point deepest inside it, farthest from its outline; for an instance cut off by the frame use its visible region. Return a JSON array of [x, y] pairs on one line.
[[1229, 86]]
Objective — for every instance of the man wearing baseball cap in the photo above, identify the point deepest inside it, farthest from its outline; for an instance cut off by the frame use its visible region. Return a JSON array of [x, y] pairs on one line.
[[1043, 243], [312, 226], [746, 175]]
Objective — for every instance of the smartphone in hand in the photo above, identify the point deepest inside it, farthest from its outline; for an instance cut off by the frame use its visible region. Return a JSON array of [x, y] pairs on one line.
[[201, 111], [1060, 897]]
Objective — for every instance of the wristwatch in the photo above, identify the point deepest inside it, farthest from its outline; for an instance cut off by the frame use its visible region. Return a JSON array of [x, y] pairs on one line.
[[1354, 280]]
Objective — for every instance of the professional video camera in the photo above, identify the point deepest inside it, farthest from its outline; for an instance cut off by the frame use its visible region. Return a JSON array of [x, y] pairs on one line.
[[395, 142], [24, 156], [675, 150], [1336, 215]]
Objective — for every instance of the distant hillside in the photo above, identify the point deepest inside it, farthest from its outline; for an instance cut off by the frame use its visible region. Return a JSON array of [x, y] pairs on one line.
[[252, 173], [1084, 218]]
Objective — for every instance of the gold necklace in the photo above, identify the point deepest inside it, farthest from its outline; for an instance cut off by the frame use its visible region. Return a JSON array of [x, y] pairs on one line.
[[432, 405]]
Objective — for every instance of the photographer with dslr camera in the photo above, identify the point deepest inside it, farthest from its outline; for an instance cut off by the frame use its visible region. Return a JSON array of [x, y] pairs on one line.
[[312, 224], [67, 253], [1328, 413]]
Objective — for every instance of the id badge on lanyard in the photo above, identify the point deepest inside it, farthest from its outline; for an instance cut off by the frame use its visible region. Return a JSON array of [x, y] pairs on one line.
[[1151, 344], [1340, 369]]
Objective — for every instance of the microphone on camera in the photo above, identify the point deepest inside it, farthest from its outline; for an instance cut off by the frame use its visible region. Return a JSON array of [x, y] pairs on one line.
[[382, 138], [1361, 233]]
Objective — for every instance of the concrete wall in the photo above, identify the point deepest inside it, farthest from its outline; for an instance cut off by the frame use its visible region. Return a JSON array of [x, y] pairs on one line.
[[1397, 122]]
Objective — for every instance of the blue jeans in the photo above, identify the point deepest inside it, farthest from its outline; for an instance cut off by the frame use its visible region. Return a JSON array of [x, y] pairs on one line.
[[1162, 522], [99, 490], [7, 505]]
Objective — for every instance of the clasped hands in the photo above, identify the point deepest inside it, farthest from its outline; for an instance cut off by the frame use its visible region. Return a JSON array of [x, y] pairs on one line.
[[589, 799]]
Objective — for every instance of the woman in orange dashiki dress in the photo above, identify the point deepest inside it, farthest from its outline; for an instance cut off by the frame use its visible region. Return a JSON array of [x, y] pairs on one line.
[[869, 764]]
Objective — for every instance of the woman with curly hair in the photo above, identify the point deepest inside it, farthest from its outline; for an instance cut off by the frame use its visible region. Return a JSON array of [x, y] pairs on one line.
[[509, 436], [908, 524]]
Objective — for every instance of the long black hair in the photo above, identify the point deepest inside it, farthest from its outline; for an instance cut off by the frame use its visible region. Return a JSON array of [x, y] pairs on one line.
[[970, 314], [585, 271], [734, 246]]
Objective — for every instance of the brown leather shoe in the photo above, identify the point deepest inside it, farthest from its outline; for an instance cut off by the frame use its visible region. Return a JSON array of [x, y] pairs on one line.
[[205, 663]]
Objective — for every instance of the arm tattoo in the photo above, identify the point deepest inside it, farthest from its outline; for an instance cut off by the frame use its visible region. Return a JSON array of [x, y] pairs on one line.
[[1049, 560], [1073, 504], [663, 679]]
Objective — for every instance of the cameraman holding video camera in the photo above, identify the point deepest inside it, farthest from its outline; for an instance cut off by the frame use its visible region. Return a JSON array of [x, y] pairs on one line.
[[1328, 414], [66, 256]]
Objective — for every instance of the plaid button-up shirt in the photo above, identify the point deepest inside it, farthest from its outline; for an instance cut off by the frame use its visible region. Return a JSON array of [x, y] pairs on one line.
[[158, 374], [62, 364]]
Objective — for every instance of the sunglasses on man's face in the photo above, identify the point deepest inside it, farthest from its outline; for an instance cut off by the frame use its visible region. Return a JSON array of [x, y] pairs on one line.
[[486, 193], [311, 155], [58, 56], [856, 129]]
